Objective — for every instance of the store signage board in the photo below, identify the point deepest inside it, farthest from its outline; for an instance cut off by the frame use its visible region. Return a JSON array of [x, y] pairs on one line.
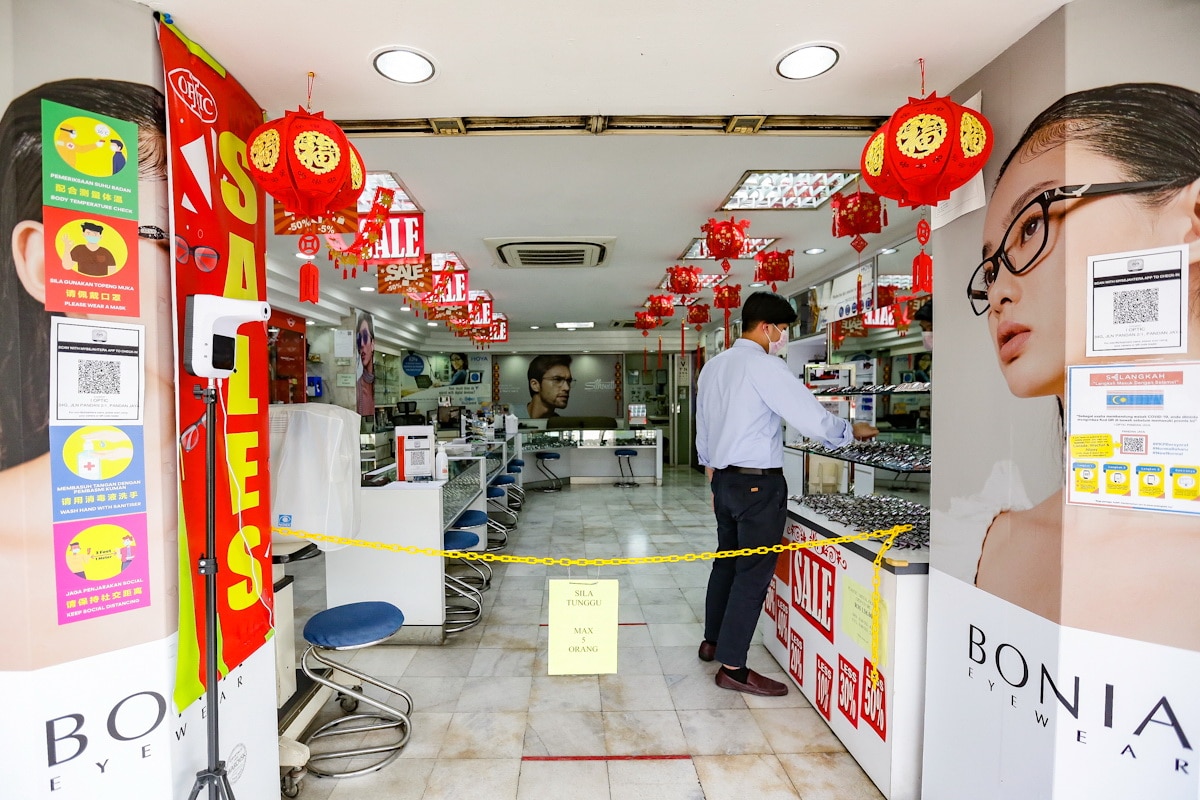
[[1137, 302], [402, 238], [1133, 437], [583, 627], [849, 294]]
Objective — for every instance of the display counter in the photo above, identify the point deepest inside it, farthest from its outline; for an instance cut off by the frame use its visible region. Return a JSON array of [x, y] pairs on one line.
[[589, 456], [415, 514], [818, 627]]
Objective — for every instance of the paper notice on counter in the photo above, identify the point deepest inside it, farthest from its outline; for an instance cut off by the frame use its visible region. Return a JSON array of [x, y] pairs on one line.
[[856, 617], [1133, 436], [1137, 302], [583, 627]]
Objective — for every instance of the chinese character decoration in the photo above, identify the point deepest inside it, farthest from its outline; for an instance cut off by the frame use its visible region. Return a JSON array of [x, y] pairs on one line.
[[683, 280], [646, 321], [661, 305], [725, 239], [773, 267], [922, 266], [856, 214], [697, 314], [350, 257], [928, 148], [727, 297]]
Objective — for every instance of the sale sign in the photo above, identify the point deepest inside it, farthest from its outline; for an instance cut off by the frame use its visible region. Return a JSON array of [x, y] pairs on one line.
[[220, 248]]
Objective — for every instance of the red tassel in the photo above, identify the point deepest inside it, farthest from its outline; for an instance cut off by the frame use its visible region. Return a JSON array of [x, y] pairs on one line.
[[345, 273], [310, 283], [727, 329], [682, 340], [660, 352], [354, 272], [645, 359]]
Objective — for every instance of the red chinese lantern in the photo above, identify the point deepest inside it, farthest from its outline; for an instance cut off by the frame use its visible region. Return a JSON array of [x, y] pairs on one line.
[[727, 297], [661, 305], [683, 280], [927, 149], [725, 239], [645, 322], [697, 314], [773, 267], [922, 266], [306, 163], [856, 214]]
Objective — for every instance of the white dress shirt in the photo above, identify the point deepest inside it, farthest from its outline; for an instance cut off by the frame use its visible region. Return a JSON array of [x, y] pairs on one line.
[[743, 395]]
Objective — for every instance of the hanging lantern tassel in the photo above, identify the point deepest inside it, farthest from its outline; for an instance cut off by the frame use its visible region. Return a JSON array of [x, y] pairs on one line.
[[310, 283], [682, 341], [645, 353], [660, 352]]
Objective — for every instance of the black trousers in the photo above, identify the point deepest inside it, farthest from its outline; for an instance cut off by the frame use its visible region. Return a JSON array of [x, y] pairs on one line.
[[751, 511]]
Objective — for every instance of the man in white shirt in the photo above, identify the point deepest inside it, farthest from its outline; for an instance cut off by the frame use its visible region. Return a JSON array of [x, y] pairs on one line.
[[744, 394]]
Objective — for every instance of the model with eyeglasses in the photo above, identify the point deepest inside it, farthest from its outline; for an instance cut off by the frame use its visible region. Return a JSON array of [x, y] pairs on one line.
[[549, 385], [1106, 170], [29, 629], [364, 341], [742, 397]]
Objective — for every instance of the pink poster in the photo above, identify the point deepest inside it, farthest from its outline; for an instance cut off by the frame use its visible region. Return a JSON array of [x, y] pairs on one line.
[[101, 566]]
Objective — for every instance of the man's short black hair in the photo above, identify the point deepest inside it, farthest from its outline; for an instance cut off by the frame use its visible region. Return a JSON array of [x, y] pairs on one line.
[[92, 227], [925, 313], [766, 307], [543, 364]]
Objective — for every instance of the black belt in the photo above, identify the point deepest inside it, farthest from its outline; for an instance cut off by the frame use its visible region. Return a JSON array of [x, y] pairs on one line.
[[753, 470]]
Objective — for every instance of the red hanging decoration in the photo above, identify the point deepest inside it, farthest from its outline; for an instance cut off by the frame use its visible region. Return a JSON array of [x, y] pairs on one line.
[[857, 213], [683, 280], [922, 266], [773, 267], [645, 322], [306, 163], [901, 317], [927, 149], [727, 297], [725, 239], [660, 352], [661, 305], [310, 283], [697, 314]]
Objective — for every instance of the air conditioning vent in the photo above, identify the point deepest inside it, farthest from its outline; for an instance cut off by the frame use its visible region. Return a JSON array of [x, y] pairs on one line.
[[543, 252], [623, 323]]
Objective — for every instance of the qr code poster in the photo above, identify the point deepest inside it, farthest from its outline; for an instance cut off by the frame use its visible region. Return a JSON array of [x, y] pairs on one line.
[[1133, 436], [1137, 302], [97, 371]]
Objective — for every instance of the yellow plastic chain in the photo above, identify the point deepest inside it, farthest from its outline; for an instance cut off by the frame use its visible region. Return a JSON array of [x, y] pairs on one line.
[[889, 536]]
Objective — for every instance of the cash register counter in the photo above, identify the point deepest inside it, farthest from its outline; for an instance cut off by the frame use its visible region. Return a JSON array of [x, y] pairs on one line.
[[589, 456], [413, 514]]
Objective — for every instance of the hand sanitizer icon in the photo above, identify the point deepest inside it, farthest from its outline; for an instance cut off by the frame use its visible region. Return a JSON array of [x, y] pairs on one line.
[[88, 465]]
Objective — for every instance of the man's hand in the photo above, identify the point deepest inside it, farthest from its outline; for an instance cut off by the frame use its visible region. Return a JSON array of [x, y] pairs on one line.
[[863, 431]]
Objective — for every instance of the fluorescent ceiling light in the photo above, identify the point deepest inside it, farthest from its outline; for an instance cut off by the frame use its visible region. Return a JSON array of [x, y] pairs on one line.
[[406, 308], [431, 324], [306, 256], [698, 250], [573, 325], [814, 251], [534, 327], [404, 66], [402, 200], [310, 321], [887, 251], [807, 61], [756, 284], [785, 189], [366, 288]]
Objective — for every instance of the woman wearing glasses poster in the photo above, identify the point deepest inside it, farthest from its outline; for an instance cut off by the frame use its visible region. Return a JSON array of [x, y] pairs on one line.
[[364, 363], [1105, 170]]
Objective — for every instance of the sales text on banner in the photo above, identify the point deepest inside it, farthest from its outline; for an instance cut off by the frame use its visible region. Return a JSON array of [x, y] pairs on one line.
[[216, 207]]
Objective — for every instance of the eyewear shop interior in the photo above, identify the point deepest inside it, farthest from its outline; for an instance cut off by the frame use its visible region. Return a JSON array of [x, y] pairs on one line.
[[351, 449]]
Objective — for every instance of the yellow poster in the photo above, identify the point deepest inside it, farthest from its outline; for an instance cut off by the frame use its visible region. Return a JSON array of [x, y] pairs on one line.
[[856, 617], [583, 627]]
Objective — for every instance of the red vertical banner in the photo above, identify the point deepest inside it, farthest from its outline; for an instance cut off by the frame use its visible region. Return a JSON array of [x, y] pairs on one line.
[[219, 240]]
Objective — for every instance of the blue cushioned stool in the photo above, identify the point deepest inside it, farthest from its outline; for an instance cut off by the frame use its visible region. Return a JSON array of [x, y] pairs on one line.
[[464, 595], [623, 455], [352, 627], [555, 482], [501, 519], [516, 495]]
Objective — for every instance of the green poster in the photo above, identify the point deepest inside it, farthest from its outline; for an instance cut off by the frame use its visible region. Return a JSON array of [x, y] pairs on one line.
[[89, 162]]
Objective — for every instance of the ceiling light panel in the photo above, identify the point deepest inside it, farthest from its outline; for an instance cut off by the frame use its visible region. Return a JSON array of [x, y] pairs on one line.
[[574, 325], [785, 190], [698, 250], [808, 61], [404, 66]]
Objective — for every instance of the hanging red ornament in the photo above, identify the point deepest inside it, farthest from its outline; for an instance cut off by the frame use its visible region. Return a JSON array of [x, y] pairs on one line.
[[725, 239], [857, 213], [661, 305], [660, 352], [310, 283], [773, 266], [922, 266], [697, 314], [306, 163], [858, 243], [901, 317], [683, 280], [727, 297], [927, 149]]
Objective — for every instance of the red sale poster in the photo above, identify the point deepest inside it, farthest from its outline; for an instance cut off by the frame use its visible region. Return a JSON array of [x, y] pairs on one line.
[[219, 230]]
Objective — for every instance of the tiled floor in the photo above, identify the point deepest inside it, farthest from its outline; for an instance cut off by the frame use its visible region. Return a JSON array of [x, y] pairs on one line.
[[490, 723]]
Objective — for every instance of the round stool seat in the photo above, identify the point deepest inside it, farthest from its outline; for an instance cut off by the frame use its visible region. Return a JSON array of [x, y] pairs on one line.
[[625, 451], [549, 455], [503, 480], [460, 540], [495, 492], [514, 470], [353, 624], [471, 519], [516, 462]]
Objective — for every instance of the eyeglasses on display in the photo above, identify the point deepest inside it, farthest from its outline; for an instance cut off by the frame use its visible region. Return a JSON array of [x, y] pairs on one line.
[[1036, 232]]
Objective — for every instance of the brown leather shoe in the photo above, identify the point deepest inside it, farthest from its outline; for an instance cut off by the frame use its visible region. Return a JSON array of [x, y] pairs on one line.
[[755, 684], [708, 651]]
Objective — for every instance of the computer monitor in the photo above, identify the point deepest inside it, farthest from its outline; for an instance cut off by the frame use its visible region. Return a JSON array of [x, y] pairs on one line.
[[449, 417]]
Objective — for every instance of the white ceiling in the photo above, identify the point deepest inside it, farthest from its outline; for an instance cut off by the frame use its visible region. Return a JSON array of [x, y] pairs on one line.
[[583, 57]]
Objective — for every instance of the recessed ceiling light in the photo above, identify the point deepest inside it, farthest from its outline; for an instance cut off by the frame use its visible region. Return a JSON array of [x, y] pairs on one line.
[[573, 325], [808, 61], [756, 284], [534, 327], [366, 288], [887, 251], [814, 251], [310, 321], [306, 256], [404, 66], [406, 308], [431, 324]]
